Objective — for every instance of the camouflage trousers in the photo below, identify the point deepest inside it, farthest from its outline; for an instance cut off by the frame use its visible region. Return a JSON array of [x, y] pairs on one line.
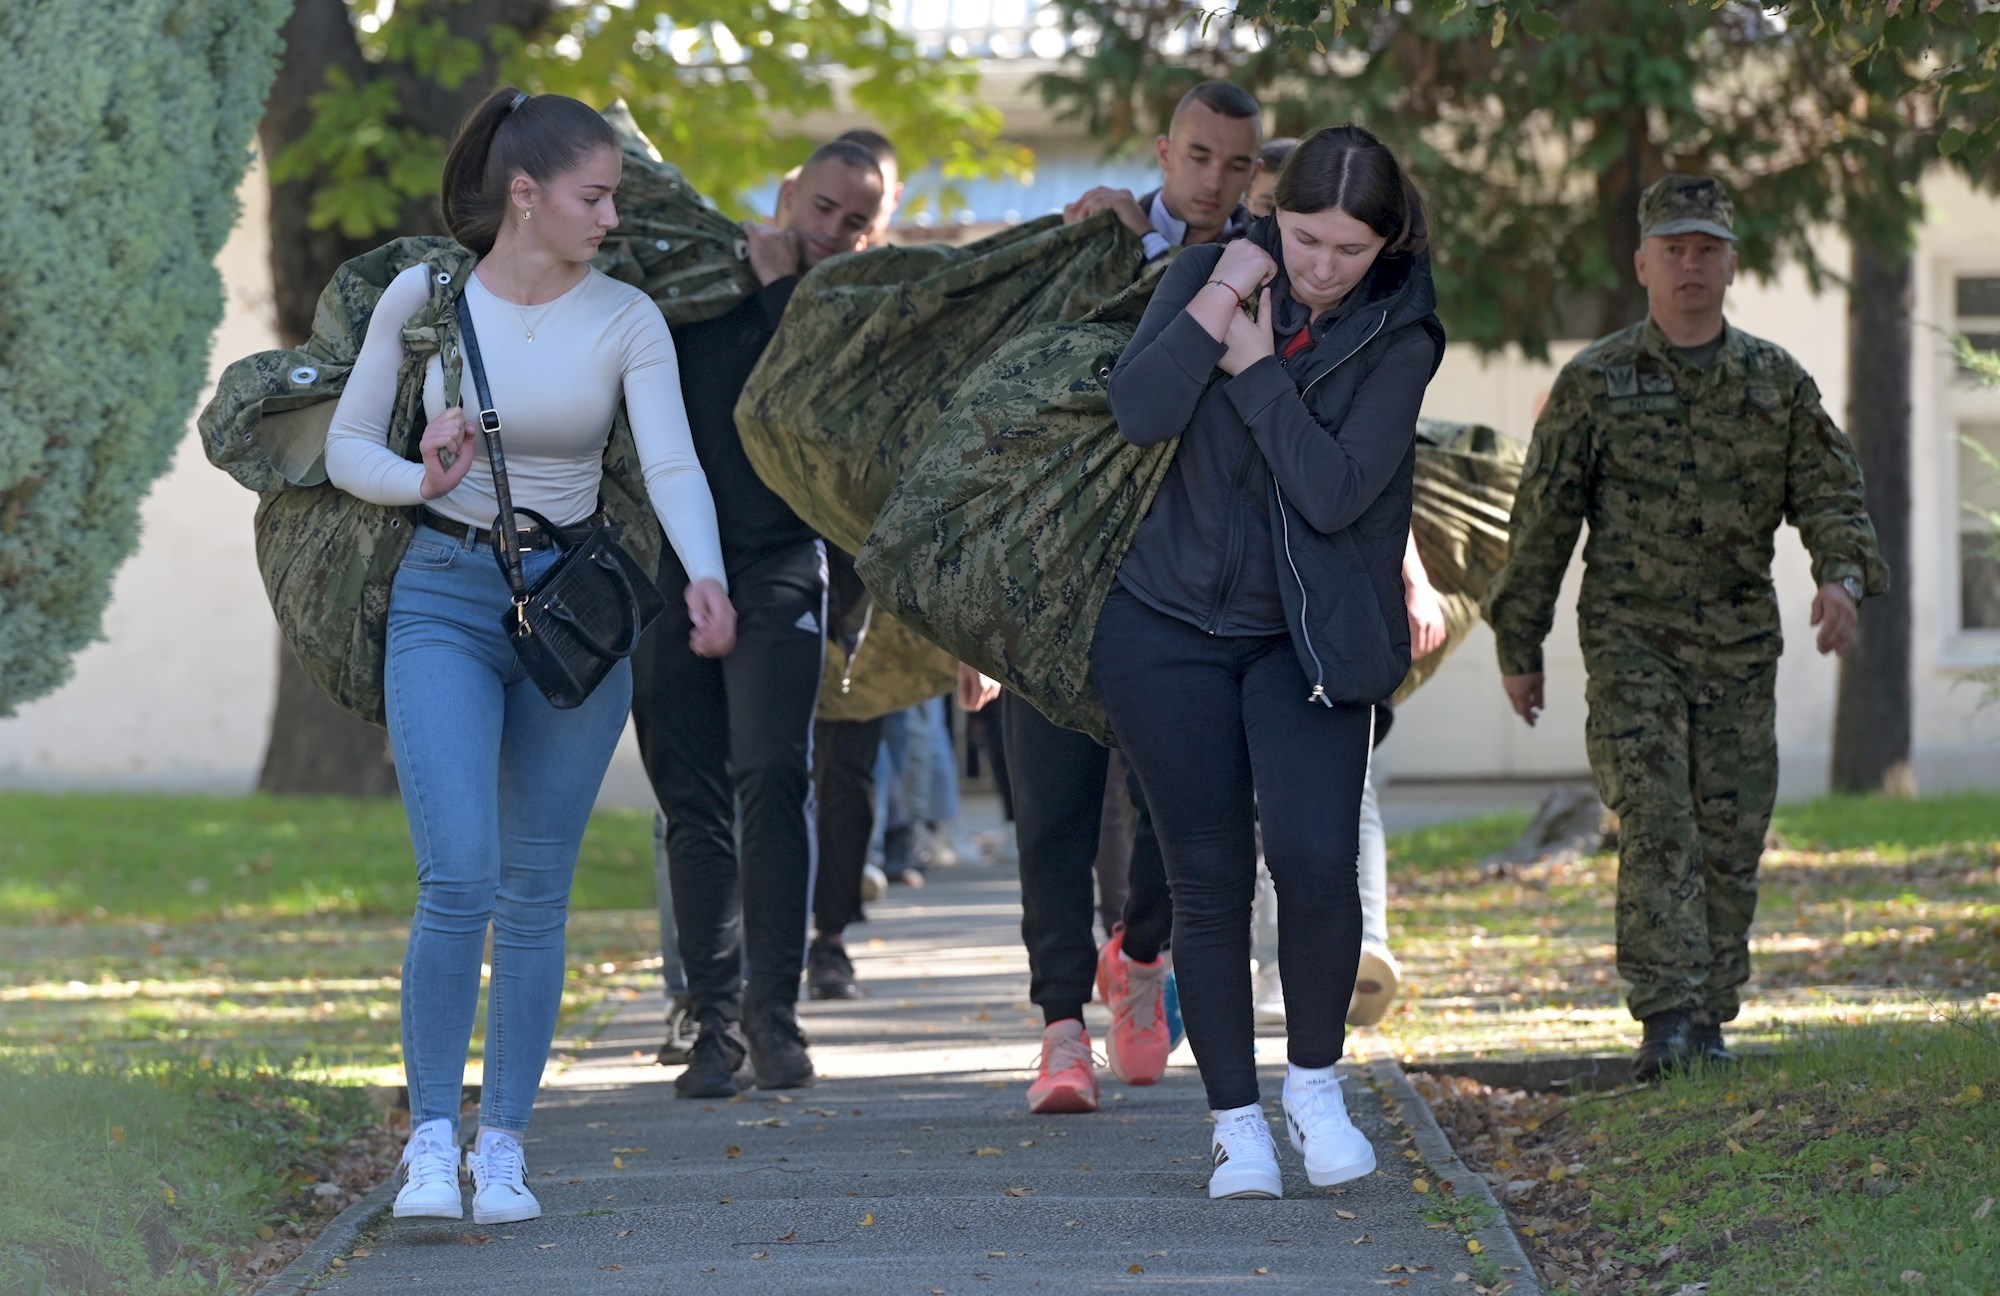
[[1688, 758]]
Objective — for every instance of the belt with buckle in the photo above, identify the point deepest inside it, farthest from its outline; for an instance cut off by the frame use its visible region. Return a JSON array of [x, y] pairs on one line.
[[532, 536]]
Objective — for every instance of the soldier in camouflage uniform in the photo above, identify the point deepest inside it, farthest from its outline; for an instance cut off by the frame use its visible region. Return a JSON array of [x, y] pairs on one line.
[[1684, 443]]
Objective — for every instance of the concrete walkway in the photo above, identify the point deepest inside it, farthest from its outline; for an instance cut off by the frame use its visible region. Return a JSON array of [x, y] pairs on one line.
[[915, 1167]]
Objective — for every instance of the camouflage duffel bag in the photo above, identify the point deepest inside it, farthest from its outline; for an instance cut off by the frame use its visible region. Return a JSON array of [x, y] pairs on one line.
[[670, 243], [893, 669], [1462, 494], [1001, 541], [873, 344]]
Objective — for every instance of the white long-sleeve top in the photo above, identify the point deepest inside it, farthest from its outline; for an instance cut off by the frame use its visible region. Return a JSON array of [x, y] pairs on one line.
[[598, 342]]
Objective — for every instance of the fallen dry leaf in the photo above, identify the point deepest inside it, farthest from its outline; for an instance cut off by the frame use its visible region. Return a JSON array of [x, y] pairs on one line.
[[1017, 1192], [618, 1163], [787, 1237], [1472, 1245], [545, 1246], [989, 1152], [1260, 1271], [625, 1232], [1420, 1186], [474, 1239], [611, 1266], [996, 1255], [1985, 1208], [1345, 1214], [732, 1152], [760, 1255], [868, 1220], [1135, 1269]]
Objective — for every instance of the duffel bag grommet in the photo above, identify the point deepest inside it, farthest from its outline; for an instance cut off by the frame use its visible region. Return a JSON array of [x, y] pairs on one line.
[[673, 292], [304, 375], [444, 276], [663, 245]]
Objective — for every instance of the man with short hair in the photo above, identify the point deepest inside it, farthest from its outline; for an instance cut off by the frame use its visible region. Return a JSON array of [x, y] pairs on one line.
[[1208, 157], [1685, 443], [728, 743], [1262, 199], [844, 751]]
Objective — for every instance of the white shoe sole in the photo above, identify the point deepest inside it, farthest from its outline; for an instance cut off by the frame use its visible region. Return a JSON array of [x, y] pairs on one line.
[[1246, 1187], [417, 1211], [1375, 983], [508, 1215]]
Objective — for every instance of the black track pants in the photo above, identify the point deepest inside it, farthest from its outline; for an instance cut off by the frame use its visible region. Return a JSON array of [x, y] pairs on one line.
[[1058, 781], [728, 747], [844, 774]]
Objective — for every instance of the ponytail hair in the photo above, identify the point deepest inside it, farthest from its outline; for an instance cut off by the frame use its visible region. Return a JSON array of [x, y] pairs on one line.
[[1347, 168], [512, 132]]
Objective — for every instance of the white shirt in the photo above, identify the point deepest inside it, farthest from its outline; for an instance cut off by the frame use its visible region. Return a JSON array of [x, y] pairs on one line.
[[598, 343], [1167, 233]]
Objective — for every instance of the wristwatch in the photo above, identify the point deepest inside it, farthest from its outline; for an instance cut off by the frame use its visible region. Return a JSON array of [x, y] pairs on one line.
[[1854, 589]]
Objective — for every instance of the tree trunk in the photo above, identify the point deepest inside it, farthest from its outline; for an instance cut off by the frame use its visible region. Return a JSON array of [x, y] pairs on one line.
[[315, 748], [1871, 726]]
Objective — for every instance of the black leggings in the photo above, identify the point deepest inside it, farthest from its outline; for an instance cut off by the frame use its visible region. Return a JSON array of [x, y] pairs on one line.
[[1222, 738]]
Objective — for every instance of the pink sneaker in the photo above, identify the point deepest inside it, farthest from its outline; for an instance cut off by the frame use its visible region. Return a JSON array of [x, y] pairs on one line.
[[1068, 1082], [1136, 994]]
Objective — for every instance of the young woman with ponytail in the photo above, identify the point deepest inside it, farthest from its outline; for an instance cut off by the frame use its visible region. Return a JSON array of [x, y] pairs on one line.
[[1259, 613], [498, 783]]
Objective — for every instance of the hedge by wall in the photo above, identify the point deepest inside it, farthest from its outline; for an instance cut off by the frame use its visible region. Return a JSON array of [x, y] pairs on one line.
[[125, 129]]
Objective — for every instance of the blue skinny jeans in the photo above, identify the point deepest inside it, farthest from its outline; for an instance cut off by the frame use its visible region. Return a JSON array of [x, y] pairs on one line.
[[498, 786]]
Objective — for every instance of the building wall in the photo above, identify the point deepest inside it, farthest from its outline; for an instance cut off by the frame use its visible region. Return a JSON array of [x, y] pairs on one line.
[[189, 709]]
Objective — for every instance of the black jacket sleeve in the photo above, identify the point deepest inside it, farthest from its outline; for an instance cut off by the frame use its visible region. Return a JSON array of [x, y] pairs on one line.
[[1168, 364]]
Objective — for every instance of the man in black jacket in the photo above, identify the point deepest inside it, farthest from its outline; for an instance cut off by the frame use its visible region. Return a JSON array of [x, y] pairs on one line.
[[1207, 159], [728, 744]]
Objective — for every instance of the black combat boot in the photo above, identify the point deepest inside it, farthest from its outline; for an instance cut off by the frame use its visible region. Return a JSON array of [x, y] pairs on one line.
[[681, 1032], [1706, 1047], [1664, 1047], [778, 1047], [829, 972], [715, 1067]]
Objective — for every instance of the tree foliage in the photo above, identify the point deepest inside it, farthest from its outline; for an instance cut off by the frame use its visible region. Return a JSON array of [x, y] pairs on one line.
[[1533, 128], [124, 134], [721, 87]]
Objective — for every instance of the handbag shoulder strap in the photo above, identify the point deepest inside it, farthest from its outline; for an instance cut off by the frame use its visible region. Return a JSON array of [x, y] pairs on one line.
[[489, 427]]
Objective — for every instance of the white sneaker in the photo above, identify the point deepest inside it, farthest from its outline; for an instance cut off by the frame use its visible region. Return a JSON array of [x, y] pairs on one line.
[[430, 1175], [1245, 1158], [498, 1195], [1270, 997], [874, 882], [1335, 1151]]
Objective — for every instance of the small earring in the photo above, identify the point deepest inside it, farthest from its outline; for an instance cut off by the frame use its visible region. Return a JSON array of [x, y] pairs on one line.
[[525, 213]]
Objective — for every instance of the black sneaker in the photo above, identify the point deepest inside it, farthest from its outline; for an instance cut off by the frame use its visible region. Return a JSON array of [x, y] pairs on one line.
[[1706, 1047], [681, 1032], [1664, 1047], [716, 1065], [778, 1048], [829, 972]]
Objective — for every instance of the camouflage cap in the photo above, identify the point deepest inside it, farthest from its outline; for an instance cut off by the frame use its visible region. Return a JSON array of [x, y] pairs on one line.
[[1686, 204]]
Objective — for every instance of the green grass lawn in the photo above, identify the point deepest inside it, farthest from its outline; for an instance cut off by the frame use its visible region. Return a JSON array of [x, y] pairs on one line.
[[156, 1179], [1872, 909], [262, 928], [1857, 1147]]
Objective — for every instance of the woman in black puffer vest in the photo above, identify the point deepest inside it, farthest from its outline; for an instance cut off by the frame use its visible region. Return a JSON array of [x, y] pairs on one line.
[[1259, 614]]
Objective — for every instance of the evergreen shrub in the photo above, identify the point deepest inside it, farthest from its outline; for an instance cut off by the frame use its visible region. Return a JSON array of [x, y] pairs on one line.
[[124, 133]]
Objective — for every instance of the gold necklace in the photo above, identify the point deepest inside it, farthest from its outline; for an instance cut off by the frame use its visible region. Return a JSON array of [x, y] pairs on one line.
[[527, 322]]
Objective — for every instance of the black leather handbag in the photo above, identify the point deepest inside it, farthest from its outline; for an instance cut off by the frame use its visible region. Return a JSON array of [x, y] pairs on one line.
[[589, 609]]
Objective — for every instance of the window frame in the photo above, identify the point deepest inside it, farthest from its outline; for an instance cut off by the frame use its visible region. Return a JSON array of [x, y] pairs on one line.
[[1961, 402]]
